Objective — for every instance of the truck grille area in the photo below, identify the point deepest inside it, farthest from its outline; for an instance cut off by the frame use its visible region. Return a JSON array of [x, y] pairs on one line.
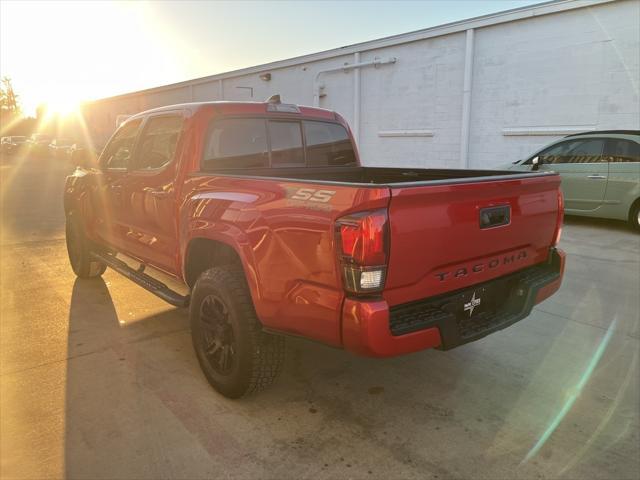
[[503, 301]]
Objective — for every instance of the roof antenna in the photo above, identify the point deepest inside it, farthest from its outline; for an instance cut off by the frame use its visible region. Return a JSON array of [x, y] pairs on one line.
[[274, 99]]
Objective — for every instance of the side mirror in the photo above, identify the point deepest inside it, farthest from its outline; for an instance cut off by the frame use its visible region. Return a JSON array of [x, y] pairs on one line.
[[84, 158], [535, 163]]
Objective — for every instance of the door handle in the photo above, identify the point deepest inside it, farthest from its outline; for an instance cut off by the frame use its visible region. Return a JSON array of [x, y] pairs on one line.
[[156, 192], [597, 177]]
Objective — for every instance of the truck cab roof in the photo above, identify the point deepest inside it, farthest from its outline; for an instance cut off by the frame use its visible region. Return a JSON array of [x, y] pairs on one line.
[[243, 108]]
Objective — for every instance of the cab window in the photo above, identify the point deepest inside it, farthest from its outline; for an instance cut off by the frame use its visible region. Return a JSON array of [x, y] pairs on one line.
[[158, 142], [236, 143], [117, 154], [328, 144], [586, 150], [622, 151], [286, 144]]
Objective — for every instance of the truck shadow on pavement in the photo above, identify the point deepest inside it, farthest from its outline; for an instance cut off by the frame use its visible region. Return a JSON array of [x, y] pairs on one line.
[[137, 403]]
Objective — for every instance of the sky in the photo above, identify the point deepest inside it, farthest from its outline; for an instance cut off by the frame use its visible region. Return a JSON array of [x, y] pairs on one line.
[[61, 53]]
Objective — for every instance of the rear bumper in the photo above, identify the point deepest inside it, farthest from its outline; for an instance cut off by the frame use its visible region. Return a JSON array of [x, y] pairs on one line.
[[373, 329]]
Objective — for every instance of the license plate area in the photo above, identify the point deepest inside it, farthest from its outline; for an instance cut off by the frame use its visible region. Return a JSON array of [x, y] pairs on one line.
[[480, 300]]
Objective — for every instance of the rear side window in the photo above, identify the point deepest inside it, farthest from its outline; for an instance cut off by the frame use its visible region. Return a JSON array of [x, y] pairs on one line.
[[286, 144], [328, 144], [622, 151], [574, 151], [158, 142], [120, 148], [236, 143]]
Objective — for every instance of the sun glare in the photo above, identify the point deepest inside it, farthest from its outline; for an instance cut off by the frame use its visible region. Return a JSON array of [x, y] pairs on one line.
[[88, 50], [62, 106]]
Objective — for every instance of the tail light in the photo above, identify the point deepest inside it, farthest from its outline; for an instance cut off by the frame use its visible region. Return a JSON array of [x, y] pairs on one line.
[[558, 232], [363, 248]]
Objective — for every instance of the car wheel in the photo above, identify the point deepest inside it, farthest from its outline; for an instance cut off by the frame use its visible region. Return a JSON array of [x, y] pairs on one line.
[[634, 216], [236, 356], [82, 263]]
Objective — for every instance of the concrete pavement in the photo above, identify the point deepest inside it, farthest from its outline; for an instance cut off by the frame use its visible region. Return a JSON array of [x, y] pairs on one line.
[[99, 380]]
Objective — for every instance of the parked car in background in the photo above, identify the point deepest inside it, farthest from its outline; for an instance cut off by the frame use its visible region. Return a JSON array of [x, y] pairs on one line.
[[600, 173], [59, 147], [38, 143], [17, 144], [11, 145]]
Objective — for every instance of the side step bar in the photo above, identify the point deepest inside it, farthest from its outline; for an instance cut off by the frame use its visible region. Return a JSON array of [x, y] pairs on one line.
[[145, 281]]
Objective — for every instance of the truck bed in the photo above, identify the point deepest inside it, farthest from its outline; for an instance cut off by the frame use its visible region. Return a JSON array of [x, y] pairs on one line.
[[361, 176]]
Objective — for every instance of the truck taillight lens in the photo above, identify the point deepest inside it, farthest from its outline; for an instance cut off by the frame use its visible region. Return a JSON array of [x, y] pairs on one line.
[[558, 232], [363, 244]]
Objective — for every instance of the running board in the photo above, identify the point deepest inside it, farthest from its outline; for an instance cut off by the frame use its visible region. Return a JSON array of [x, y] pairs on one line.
[[145, 281]]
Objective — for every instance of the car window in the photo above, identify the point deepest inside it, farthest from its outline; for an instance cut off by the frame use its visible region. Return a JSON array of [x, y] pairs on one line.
[[328, 144], [286, 144], [618, 151], [236, 143], [574, 151], [120, 148], [158, 142]]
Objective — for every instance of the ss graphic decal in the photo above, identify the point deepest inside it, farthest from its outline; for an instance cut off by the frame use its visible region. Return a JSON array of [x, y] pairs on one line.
[[311, 194]]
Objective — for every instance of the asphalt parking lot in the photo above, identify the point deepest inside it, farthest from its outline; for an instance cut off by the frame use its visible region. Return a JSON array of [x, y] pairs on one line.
[[99, 380]]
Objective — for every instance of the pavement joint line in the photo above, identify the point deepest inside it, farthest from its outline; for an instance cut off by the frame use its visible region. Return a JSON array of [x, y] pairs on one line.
[[630, 335], [100, 350], [604, 259], [28, 243]]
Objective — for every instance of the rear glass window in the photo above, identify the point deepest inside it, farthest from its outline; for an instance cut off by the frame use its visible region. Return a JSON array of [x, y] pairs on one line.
[[622, 151], [237, 143], [328, 144], [286, 144], [261, 143]]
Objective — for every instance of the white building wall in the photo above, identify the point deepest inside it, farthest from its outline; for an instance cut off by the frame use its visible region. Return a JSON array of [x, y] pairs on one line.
[[575, 69], [418, 95], [571, 70]]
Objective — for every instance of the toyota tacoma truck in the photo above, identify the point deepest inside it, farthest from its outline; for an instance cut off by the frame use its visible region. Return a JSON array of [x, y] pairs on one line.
[[262, 213]]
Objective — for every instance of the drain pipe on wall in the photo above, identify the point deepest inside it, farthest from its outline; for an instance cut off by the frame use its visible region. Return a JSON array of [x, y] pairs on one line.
[[466, 101], [318, 86], [356, 99]]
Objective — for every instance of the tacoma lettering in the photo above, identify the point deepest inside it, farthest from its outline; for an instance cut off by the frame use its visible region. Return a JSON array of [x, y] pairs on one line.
[[480, 267]]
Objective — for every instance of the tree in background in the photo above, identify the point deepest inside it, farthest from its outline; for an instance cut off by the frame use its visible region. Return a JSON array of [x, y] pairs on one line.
[[11, 120], [8, 98]]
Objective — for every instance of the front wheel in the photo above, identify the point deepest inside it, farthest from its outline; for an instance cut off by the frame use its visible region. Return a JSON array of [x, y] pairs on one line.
[[82, 263], [236, 356]]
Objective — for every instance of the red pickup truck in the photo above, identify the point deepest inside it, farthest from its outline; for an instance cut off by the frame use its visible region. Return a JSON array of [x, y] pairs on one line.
[[264, 214]]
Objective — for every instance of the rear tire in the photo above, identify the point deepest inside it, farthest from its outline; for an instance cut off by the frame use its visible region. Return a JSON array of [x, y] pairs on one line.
[[78, 249], [634, 216], [236, 356]]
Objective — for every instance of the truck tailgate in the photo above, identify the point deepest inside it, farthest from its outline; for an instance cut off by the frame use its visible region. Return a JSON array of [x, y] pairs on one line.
[[445, 237]]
